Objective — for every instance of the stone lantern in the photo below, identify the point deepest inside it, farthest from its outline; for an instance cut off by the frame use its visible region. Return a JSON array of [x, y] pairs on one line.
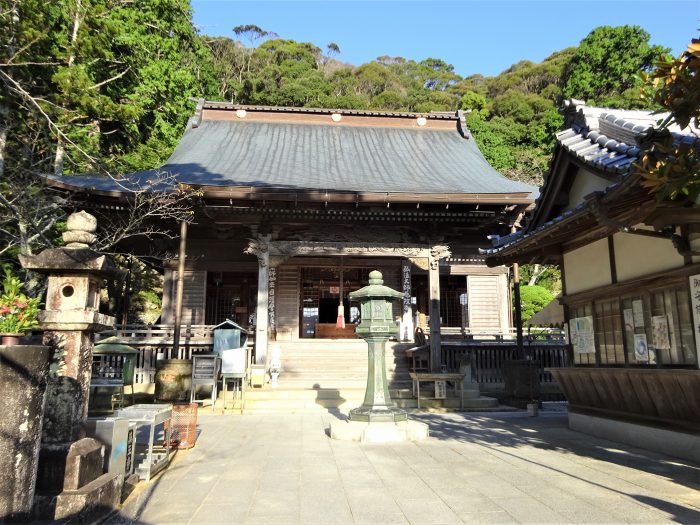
[[378, 419], [70, 320], [376, 326]]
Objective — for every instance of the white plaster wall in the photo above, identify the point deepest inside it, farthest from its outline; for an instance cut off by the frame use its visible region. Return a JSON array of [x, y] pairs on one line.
[[637, 255], [584, 184], [503, 301], [587, 267]]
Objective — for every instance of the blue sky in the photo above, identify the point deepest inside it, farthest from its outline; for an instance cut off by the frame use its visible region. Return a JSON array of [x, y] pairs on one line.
[[475, 36]]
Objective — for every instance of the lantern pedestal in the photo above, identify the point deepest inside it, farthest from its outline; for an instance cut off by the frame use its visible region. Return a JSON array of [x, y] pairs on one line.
[[377, 406], [378, 420]]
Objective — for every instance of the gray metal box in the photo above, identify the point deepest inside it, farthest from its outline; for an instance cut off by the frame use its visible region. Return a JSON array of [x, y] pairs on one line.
[[117, 434]]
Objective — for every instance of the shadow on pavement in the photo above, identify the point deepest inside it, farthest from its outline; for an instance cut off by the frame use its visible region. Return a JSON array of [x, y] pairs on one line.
[[551, 432]]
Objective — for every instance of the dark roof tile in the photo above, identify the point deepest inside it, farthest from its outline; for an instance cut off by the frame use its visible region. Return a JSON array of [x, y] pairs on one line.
[[291, 155]]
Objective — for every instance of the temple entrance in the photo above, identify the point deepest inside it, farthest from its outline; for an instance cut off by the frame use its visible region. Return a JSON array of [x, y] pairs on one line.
[[321, 295], [231, 295]]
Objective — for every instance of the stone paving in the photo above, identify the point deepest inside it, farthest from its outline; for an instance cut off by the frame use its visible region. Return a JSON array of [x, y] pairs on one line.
[[475, 468]]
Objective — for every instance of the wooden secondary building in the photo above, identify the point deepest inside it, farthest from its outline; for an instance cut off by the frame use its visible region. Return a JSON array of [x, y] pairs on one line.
[[298, 205], [631, 283]]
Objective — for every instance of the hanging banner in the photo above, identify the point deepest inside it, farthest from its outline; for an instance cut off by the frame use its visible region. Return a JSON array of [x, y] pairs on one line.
[[582, 335]]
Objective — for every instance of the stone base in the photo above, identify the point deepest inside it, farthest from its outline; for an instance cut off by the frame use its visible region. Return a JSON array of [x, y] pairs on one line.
[[97, 498], [365, 414], [378, 432]]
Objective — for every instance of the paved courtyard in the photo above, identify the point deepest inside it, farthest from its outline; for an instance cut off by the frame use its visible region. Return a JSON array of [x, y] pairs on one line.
[[475, 468]]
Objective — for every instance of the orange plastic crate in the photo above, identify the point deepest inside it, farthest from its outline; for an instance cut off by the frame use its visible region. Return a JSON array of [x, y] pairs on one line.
[[184, 424]]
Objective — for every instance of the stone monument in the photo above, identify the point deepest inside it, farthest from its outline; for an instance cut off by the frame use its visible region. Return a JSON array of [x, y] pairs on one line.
[[23, 371], [378, 419]]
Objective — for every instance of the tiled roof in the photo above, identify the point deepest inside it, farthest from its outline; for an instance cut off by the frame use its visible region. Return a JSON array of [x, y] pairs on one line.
[[604, 140], [607, 139], [597, 150], [277, 152], [325, 157]]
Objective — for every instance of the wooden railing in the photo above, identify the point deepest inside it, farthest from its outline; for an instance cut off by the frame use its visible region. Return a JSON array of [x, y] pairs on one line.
[[153, 341], [487, 357], [530, 334], [486, 350]]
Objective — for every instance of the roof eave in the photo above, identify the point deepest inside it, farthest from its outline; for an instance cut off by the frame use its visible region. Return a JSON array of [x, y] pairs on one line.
[[281, 194], [544, 238], [252, 193]]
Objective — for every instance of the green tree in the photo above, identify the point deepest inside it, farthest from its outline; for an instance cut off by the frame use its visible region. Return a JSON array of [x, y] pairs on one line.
[[286, 72], [99, 86], [497, 139], [389, 100], [607, 63], [373, 78], [229, 59], [475, 102], [533, 299]]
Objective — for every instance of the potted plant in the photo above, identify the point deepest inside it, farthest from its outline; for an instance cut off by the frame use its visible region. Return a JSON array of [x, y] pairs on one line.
[[18, 313]]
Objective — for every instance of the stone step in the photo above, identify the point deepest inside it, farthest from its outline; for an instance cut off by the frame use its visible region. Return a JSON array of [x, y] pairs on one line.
[[329, 366], [337, 384], [293, 405], [320, 371], [291, 400], [319, 393]]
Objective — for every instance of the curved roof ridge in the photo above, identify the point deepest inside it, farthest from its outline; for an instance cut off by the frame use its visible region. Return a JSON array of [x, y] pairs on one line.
[[433, 115]]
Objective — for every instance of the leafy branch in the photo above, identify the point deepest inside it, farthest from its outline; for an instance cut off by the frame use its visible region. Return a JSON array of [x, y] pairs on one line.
[[670, 164]]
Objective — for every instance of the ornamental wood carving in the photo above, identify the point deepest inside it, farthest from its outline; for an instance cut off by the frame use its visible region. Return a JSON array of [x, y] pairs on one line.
[[294, 248], [437, 252]]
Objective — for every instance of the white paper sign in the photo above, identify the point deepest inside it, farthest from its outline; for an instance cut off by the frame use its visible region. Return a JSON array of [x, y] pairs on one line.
[[629, 320], [661, 337], [582, 335], [440, 390], [641, 349], [638, 313], [695, 305]]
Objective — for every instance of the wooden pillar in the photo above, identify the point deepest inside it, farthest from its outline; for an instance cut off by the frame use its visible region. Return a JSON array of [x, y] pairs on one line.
[[167, 305], [434, 310], [464, 307], [407, 317], [262, 309], [180, 288], [518, 311]]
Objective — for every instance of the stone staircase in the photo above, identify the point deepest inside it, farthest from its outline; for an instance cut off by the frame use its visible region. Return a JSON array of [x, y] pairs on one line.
[[331, 375], [328, 363]]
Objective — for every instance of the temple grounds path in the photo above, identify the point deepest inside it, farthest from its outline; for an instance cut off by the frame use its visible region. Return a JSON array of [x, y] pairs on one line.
[[475, 468]]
